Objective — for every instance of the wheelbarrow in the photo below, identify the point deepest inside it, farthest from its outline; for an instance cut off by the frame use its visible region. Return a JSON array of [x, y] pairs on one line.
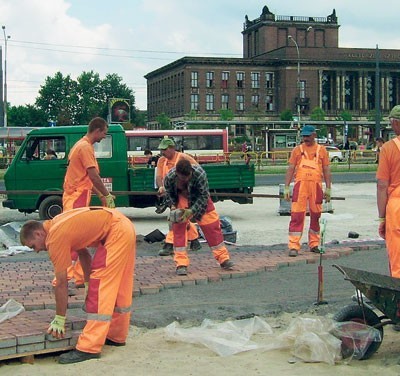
[[383, 293]]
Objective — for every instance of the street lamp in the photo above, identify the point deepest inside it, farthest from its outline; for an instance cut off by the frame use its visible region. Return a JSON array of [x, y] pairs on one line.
[[6, 37], [298, 84]]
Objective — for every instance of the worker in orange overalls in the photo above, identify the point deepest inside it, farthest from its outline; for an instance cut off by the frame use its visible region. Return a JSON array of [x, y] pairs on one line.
[[168, 160], [388, 194], [110, 273], [81, 178], [309, 164], [187, 191]]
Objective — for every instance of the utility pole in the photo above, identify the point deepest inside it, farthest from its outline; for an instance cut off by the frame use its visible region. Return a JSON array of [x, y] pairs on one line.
[[6, 38], [377, 96], [1, 89]]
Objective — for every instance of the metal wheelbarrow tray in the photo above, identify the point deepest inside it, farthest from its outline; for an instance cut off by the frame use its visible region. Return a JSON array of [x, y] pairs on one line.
[[384, 294]]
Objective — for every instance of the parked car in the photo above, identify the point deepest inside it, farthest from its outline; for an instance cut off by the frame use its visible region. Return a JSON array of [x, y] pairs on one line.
[[353, 145], [335, 154]]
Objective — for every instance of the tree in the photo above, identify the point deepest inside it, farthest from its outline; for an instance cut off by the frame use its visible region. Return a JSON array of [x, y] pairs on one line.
[[164, 120], [318, 114], [77, 102], [226, 115], [286, 115], [26, 116]]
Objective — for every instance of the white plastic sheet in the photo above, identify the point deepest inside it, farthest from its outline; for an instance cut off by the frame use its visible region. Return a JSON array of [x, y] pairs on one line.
[[308, 339], [10, 309]]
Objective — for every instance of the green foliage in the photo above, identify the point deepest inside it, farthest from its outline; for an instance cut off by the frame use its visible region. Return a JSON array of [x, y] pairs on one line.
[[345, 115], [286, 115], [317, 114], [164, 120], [77, 102], [192, 115], [26, 116], [226, 115]]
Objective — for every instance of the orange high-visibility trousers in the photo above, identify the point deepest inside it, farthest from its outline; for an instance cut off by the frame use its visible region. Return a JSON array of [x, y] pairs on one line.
[[393, 232], [305, 192], [211, 228], [109, 299]]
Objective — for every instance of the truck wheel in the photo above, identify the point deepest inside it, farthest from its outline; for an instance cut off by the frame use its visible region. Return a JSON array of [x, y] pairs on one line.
[[354, 313], [50, 207]]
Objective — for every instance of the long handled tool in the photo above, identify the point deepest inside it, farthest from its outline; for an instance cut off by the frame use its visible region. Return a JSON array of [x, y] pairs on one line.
[[320, 297], [155, 193]]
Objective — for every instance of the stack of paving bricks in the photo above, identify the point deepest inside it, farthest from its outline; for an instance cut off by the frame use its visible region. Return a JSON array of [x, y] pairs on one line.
[[25, 334]]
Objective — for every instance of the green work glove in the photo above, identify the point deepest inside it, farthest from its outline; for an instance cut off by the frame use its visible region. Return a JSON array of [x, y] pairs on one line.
[[327, 195], [187, 214], [57, 326], [286, 193], [86, 288], [110, 201]]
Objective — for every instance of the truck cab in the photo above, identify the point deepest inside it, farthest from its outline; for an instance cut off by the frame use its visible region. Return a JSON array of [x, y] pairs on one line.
[[39, 180]]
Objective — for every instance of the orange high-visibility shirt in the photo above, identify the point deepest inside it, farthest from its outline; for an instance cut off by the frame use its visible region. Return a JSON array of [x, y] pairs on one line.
[[80, 159], [164, 164], [389, 165], [74, 230]]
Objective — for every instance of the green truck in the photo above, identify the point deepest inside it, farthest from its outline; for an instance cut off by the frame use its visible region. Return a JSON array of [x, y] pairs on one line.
[[34, 183]]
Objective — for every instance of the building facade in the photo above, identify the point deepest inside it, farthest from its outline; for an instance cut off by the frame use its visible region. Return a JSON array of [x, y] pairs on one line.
[[289, 63]]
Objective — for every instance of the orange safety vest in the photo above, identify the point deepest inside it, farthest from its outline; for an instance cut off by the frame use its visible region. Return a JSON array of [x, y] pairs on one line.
[[309, 169]]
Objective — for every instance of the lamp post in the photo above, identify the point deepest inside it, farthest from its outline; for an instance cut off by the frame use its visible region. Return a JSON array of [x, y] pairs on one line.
[[6, 37], [298, 86]]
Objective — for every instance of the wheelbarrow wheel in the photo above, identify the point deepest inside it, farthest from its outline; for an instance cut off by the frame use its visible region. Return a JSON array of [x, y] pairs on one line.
[[355, 313]]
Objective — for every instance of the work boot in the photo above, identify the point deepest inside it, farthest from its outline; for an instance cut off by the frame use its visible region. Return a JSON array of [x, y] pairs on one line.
[[166, 250], [195, 245], [76, 356], [293, 253], [181, 270], [315, 250], [227, 264], [110, 342]]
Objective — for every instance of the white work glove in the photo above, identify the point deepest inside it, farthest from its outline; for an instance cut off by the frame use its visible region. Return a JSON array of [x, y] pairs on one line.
[[286, 193], [110, 201], [57, 327]]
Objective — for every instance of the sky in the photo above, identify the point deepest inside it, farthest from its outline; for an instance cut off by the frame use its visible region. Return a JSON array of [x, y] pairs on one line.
[[134, 37]]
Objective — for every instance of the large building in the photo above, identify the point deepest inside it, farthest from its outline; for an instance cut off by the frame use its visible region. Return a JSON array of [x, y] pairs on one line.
[[289, 63]]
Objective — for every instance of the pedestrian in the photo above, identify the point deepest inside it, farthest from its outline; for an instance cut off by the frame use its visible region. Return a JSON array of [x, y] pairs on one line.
[[110, 273], [187, 190], [379, 143], [50, 154], [170, 157], [309, 166], [151, 160], [81, 178], [388, 194]]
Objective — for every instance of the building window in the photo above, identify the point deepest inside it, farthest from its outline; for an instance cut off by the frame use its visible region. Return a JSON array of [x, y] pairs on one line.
[[224, 101], [240, 130], [210, 102], [255, 80], [194, 102], [209, 79], [302, 89], [240, 102], [240, 80], [269, 80], [224, 80], [269, 103], [194, 79], [255, 99]]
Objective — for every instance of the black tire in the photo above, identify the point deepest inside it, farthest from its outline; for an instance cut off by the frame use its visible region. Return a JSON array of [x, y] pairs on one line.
[[355, 313], [335, 159], [50, 207]]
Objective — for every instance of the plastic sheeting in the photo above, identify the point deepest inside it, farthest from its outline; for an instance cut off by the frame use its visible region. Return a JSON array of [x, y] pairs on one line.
[[10, 309], [308, 339]]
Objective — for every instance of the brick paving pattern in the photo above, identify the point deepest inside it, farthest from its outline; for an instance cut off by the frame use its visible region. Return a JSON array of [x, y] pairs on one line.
[[29, 283]]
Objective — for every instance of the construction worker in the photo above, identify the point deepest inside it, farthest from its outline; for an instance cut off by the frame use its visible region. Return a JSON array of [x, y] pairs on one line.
[[186, 187], [309, 164], [81, 178], [110, 273], [388, 193], [168, 160]]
